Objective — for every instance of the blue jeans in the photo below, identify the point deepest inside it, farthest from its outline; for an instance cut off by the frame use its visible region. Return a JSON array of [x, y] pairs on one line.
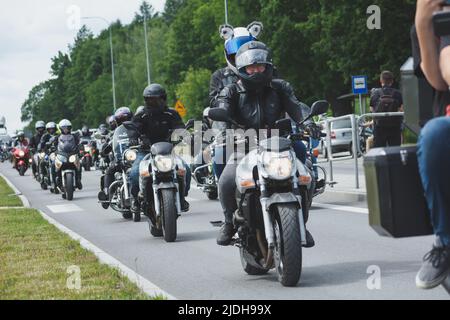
[[134, 176], [434, 166]]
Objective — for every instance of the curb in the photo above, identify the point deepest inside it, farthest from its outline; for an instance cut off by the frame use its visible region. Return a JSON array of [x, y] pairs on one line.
[[142, 283], [24, 199], [342, 196]]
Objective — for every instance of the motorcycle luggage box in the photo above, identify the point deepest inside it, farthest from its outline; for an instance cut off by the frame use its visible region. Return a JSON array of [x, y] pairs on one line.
[[395, 196]]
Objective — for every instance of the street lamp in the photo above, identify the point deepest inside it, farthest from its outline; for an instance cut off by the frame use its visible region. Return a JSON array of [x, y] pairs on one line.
[[112, 57], [226, 11], [146, 49]]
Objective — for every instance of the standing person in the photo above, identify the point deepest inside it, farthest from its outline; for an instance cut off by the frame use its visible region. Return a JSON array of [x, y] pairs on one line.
[[432, 61], [387, 130]]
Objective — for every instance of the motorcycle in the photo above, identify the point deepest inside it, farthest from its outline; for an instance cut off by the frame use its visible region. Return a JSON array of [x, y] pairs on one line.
[[67, 164], [272, 188], [118, 193], [22, 158], [86, 155], [161, 177]]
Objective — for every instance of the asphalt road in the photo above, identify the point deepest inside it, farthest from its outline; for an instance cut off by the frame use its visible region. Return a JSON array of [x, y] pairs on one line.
[[340, 266]]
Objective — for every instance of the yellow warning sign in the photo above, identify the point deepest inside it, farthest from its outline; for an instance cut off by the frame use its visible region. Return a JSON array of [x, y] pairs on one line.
[[180, 108]]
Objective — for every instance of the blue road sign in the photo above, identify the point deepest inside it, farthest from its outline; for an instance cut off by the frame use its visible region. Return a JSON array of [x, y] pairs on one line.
[[359, 85]]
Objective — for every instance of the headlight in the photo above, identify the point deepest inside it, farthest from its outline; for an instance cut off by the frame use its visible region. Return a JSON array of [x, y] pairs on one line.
[[58, 163], [21, 154], [130, 155], [53, 156], [41, 155], [87, 149], [278, 165], [73, 159], [164, 163]]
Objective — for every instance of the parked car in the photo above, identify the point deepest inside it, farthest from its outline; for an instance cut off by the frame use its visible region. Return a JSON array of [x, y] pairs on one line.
[[341, 137]]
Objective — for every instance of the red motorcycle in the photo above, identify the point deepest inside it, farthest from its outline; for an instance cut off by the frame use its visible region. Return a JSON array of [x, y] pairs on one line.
[[22, 159]]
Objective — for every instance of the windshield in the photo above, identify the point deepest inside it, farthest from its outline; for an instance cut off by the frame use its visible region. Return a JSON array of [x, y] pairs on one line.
[[341, 124]]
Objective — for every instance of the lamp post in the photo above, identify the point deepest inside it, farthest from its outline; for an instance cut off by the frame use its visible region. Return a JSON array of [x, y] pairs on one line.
[[146, 49], [226, 11], [112, 57]]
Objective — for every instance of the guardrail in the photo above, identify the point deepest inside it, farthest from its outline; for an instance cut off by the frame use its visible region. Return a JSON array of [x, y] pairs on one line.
[[356, 122]]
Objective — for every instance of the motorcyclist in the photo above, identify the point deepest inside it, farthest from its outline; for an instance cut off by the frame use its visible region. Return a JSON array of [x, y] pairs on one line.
[[85, 133], [121, 116], [256, 101], [156, 122], [44, 145], [65, 127], [112, 123], [34, 144], [20, 142]]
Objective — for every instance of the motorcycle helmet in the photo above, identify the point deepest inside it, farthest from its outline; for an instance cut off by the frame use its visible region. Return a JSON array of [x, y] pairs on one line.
[[65, 126], [155, 97], [254, 53], [20, 135], [51, 128], [112, 122], [40, 127], [235, 38], [85, 131], [103, 130], [123, 114]]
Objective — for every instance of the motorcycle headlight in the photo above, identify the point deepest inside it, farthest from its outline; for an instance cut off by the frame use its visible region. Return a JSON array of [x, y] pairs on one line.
[[41, 155], [73, 159], [87, 149], [164, 163], [130, 155], [21, 154], [53, 156], [278, 165]]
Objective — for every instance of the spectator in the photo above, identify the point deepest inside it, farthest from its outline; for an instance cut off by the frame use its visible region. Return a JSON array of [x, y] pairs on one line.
[[432, 61], [387, 130]]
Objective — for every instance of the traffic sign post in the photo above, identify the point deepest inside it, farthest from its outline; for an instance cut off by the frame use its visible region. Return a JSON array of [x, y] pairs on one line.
[[359, 87]]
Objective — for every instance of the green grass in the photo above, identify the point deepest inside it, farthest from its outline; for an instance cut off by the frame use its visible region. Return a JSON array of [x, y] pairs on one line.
[[7, 196], [34, 260]]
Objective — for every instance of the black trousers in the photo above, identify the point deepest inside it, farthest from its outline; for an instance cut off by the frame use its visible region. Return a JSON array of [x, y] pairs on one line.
[[387, 136]]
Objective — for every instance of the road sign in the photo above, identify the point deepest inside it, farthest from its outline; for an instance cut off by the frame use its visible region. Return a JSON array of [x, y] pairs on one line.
[[180, 108], [359, 85]]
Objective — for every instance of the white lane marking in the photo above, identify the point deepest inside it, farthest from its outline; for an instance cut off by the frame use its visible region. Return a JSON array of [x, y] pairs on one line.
[[145, 285], [64, 208], [341, 208]]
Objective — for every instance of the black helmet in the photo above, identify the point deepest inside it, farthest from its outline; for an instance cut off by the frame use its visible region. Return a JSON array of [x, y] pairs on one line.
[[155, 97], [85, 131], [123, 114], [103, 130], [112, 122], [254, 53]]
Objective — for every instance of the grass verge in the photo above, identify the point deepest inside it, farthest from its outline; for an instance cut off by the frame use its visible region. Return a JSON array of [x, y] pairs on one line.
[[7, 196]]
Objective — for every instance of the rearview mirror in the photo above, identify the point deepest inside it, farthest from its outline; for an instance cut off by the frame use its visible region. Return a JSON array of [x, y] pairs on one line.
[[319, 107]]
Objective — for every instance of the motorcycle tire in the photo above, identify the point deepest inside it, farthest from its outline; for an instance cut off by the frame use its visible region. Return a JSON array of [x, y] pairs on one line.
[[69, 186], [212, 195], [127, 215], [288, 245], [137, 217], [44, 186], [22, 171], [169, 214]]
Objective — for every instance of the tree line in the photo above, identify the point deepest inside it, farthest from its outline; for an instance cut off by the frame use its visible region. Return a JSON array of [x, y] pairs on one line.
[[317, 46]]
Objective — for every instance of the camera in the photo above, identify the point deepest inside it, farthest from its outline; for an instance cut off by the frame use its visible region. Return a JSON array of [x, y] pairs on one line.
[[441, 22]]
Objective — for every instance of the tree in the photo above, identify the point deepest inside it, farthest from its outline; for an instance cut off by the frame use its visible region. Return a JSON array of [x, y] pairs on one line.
[[193, 92]]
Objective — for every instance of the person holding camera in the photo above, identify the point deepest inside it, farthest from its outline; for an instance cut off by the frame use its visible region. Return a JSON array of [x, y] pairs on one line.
[[432, 61]]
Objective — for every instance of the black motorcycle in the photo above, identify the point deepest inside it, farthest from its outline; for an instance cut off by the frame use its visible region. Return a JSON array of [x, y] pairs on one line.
[[272, 187], [67, 164]]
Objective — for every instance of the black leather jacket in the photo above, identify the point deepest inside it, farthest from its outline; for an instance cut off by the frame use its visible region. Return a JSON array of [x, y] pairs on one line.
[[219, 80], [157, 127], [260, 110]]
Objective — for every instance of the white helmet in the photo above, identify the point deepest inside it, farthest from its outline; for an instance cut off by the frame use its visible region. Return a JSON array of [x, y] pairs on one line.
[[65, 126], [236, 37]]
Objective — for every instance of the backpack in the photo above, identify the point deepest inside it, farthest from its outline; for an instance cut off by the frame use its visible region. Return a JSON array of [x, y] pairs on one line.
[[387, 103]]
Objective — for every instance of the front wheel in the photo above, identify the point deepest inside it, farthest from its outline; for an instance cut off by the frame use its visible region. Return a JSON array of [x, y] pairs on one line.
[[288, 245], [22, 170], [69, 186], [212, 194], [169, 214]]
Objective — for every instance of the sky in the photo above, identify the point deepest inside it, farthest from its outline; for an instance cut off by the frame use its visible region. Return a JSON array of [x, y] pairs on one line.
[[32, 32]]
